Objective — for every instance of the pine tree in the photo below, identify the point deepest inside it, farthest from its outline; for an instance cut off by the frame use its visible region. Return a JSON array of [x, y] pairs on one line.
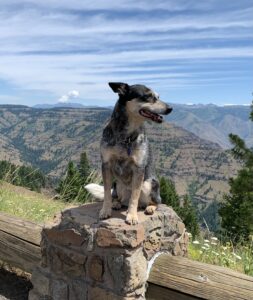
[[189, 216], [84, 167], [237, 209], [25, 176], [168, 193], [69, 187], [211, 216], [186, 212]]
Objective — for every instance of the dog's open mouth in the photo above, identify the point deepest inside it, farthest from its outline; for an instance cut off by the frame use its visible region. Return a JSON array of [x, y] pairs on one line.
[[151, 115]]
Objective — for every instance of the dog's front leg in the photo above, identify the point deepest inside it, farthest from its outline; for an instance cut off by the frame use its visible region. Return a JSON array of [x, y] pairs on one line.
[[106, 210], [138, 177]]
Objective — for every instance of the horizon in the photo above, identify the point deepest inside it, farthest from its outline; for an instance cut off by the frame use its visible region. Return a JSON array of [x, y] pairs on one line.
[[71, 104], [67, 52]]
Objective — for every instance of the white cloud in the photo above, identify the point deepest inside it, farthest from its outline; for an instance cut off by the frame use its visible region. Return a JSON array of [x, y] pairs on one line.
[[70, 95]]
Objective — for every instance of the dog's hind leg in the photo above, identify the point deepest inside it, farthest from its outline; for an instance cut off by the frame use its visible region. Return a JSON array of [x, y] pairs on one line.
[[106, 210], [132, 217]]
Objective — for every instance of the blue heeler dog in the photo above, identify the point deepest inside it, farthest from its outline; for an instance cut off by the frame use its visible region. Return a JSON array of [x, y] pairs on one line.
[[126, 154]]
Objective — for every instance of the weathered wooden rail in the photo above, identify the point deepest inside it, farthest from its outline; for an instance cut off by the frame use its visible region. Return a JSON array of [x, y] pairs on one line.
[[196, 279], [171, 278], [19, 242]]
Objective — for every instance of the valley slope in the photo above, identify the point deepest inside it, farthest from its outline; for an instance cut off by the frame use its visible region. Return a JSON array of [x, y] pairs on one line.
[[215, 123], [49, 138]]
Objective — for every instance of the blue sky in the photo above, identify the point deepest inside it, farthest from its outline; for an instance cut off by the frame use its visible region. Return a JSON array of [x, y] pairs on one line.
[[187, 51]]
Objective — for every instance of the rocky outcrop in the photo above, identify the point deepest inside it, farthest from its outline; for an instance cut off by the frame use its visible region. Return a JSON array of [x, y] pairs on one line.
[[84, 258]]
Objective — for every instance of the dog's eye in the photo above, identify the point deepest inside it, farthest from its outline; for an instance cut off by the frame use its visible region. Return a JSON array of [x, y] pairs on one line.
[[145, 98]]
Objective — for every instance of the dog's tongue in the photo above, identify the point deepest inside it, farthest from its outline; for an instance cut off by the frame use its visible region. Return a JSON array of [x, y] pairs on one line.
[[153, 116]]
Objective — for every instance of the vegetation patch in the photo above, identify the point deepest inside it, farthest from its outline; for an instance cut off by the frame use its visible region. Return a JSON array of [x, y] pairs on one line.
[[20, 202], [25, 176], [238, 257]]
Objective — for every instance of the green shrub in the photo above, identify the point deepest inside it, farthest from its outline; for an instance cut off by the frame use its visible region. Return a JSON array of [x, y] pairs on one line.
[[24, 176], [71, 187]]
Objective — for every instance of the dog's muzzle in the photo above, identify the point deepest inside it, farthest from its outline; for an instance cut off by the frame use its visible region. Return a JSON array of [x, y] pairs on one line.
[[155, 116], [168, 110], [151, 115]]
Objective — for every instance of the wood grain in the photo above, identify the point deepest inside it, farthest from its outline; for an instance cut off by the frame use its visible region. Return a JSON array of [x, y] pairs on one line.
[[22, 229], [19, 253], [200, 280], [19, 242], [157, 292]]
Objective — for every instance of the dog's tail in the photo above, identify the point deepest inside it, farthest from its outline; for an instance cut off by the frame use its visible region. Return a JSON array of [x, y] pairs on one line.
[[96, 190]]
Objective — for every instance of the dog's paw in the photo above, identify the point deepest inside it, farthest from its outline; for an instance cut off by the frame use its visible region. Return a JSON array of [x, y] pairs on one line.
[[116, 205], [132, 218], [105, 213], [150, 209]]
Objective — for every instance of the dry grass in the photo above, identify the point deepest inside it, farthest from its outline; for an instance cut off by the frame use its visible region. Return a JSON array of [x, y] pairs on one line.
[[20, 202]]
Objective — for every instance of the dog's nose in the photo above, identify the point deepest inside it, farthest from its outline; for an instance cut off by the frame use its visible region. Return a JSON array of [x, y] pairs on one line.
[[168, 110]]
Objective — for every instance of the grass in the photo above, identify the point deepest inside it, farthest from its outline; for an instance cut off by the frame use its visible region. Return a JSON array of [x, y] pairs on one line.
[[237, 257], [28, 205], [72, 188]]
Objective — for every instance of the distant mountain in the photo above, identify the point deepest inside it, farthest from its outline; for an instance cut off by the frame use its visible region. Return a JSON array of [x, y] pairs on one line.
[[50, 138], [210, 122], [61, 105], [214, 123], [44, 106]]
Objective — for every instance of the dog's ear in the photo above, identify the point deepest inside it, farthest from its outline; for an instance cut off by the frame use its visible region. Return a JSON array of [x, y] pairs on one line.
[[119, 87]]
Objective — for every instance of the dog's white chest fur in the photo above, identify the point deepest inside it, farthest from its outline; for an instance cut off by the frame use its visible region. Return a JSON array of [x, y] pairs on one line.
[[137, 153]]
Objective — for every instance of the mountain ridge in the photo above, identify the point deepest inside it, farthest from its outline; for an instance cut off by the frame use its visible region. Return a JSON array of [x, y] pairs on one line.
[[207, 121], [49, 138]]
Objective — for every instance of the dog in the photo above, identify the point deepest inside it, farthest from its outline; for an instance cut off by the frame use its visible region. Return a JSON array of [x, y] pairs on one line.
[[126, 154]]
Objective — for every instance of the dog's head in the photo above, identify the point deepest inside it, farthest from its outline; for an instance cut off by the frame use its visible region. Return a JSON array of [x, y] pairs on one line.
[[140, 101]]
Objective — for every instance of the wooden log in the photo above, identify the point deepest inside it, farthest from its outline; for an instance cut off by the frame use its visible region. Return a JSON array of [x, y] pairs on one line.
[[157, 292], [19, 253], [200, 280], [19, 242], [22, 229]]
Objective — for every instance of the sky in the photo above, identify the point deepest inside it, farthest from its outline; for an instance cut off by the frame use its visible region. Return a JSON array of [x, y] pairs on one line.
[[67, 51]]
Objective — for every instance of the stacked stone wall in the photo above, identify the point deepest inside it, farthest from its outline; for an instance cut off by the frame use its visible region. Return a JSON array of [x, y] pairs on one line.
[[84, 258]]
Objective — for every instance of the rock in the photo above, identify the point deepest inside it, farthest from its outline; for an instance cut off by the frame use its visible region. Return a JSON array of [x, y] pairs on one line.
[[107, 238], [67, 261], [33, 295], [77, 290], [41, 281], [135, 268], [68, 237], [96, 268], [85, 258], [59, 289], [99, 293]]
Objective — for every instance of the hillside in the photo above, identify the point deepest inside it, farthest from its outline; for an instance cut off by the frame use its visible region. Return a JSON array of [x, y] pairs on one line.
[[208, 121], [21, 202], [214, 123], [49, 138]]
